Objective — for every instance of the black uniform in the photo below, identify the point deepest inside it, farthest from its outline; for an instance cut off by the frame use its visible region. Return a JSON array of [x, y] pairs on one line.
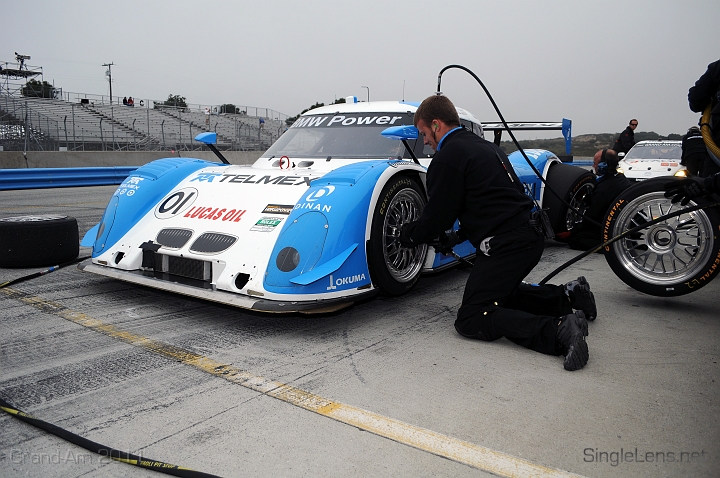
[[606, 190], [707, 91], [625, 141], [471, 179]]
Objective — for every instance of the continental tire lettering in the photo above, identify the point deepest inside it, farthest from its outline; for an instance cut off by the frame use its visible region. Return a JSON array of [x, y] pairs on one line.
[[608, 222], [391, 192], [707, 276]]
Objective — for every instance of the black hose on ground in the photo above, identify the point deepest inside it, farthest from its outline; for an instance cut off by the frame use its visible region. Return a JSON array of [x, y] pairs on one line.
[[41, 273], [92, 446]]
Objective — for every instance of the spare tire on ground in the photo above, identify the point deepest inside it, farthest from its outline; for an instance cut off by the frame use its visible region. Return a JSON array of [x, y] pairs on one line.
[[42, 240]]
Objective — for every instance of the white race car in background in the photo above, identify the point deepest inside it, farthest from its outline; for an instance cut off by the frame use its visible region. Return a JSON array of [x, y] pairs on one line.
[[652, 159]]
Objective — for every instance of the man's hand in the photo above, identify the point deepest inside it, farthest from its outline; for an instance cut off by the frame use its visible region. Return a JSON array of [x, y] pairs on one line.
[[446, 242], [686, 189], [406, 234]]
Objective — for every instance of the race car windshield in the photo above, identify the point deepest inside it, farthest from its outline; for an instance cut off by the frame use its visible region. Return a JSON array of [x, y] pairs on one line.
[[355, 135], [655, 151]]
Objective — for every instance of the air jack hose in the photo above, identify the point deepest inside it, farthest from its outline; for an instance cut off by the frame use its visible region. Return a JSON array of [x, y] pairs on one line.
[[515, 142]]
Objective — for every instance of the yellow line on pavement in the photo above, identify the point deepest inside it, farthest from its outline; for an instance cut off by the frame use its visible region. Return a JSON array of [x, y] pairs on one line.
[[454, 449]]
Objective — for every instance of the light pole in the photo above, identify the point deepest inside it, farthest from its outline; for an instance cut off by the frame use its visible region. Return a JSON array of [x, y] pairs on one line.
[[368, 88], [109, 75]]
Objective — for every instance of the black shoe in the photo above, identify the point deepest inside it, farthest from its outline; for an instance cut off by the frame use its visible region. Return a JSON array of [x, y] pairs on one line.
[[581, 298], [571, 340]]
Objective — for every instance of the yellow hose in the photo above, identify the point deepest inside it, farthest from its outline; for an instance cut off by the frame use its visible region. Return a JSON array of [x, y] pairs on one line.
[[707, 133]]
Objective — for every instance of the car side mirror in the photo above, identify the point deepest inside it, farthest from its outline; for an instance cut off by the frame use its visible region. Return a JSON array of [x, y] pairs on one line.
[[207, 138], [402, 132]]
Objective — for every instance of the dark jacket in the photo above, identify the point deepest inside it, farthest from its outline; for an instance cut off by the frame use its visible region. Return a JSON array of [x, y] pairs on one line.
[[608, 188], [466, 180], [707, 91], [625, 141]]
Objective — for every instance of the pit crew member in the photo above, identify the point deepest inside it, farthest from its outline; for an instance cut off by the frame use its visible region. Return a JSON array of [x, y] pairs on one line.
[[471, 179], [609, 184]]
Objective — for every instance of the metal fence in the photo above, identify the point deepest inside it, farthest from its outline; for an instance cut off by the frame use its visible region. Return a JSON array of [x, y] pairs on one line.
[[80, 122]]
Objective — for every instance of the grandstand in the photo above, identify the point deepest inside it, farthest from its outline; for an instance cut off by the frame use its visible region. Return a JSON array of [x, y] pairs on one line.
[[94, 123]]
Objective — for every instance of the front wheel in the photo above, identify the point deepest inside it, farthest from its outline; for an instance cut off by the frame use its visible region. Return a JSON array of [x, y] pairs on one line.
[[674, 257], [394, 268]]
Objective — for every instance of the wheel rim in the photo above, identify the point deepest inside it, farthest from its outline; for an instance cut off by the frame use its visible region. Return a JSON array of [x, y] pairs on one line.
[[403, 263], [671, 251], [578, 207]]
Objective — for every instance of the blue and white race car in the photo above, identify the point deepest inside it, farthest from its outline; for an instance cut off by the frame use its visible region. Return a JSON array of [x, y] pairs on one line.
[[311, 226]]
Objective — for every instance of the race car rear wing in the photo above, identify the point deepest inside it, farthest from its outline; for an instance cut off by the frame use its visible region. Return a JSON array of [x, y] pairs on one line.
[[565, 126]]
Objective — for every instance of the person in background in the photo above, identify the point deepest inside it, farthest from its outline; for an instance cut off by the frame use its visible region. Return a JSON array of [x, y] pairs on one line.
[[609, 184], [626, 140]]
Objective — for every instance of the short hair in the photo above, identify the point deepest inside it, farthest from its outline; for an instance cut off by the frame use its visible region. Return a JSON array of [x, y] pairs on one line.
[[633, 120], [437, 107], [611, 158]]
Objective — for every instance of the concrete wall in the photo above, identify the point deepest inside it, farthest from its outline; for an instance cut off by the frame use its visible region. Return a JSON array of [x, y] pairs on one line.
[[84, 159]]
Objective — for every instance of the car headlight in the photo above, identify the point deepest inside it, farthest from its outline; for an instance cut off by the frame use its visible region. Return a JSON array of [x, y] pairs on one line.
[[681, 174]]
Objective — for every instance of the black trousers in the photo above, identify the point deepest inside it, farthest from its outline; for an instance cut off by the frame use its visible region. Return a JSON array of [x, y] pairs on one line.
[[496, 302]]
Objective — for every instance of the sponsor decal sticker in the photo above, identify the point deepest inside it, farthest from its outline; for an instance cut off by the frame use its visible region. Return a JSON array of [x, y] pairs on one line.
[[266, 224], [176, 203], [215, 213], [129, 186], [335, 283], [313, 206], [345, 120], [254, 179], [205, 177], [320, 192], [285, 209]]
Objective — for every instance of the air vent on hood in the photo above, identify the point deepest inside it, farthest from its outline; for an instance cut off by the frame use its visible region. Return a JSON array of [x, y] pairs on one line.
[[212, 243], [173, 238]]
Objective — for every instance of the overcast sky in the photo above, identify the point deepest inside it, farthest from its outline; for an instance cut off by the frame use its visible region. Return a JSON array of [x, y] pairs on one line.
[[599, 63]]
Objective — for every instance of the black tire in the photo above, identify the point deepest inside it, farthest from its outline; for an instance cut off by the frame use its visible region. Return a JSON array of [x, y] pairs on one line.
[[43, 240], [573, 184], [674, 257], [395, 269]]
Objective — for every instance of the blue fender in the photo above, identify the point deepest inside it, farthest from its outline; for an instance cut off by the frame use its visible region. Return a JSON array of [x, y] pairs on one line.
[[542, 160], [327, 229]]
